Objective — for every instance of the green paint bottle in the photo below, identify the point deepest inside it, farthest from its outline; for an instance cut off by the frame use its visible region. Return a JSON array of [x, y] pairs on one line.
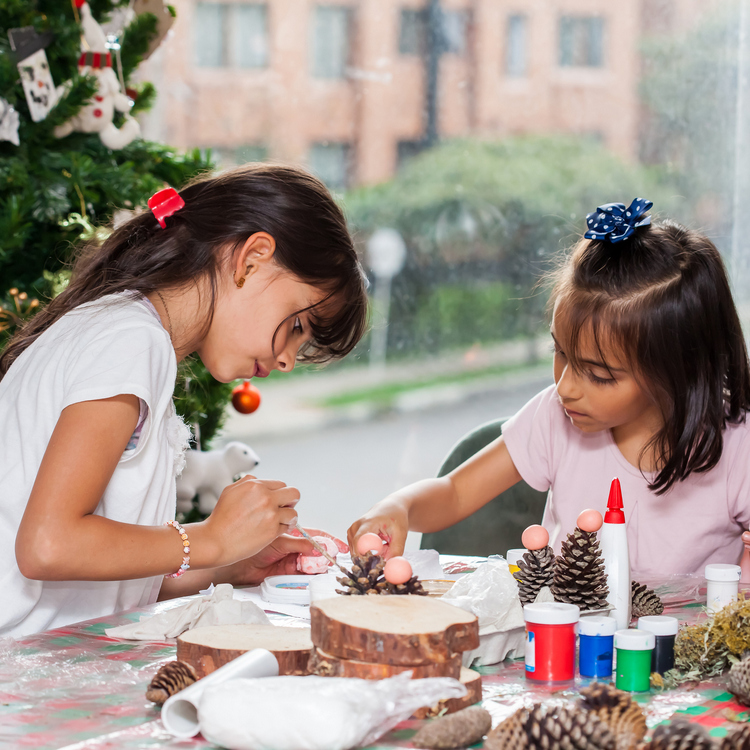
[[633, 649]]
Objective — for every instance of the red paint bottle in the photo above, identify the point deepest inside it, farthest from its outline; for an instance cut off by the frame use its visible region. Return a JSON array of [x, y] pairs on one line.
[[551, 641]]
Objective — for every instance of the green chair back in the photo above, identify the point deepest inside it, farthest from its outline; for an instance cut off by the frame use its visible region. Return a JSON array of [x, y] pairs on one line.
[[496, 527]]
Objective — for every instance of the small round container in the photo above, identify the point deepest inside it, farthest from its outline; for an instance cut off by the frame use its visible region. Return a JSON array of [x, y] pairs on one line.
[[551, 641], [665, 630], [722, 586], [633, 667], [596, 645], [514, 557], [286, 589]]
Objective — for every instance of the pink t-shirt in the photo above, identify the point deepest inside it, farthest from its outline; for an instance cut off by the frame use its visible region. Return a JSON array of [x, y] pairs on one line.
[[698, 521]]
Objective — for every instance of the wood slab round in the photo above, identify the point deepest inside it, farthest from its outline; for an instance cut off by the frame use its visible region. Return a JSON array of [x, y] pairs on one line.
[[326, 665], [473, 682], [207, 649], [405, 630]]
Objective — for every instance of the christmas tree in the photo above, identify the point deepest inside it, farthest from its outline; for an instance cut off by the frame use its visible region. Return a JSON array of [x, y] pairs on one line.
[[58, 189]]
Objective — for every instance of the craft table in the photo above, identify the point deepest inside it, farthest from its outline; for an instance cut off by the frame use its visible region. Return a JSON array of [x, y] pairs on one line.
[[76, 689]]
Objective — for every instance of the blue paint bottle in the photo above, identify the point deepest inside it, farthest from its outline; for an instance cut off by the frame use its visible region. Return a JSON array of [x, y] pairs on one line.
[[596, 645]]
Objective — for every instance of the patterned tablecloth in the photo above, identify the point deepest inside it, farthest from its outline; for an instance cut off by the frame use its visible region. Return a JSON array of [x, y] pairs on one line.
[[77, 689]]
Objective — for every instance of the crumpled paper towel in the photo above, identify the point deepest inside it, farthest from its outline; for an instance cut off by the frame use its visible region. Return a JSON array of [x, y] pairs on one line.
[[219, 608], [491, 593]]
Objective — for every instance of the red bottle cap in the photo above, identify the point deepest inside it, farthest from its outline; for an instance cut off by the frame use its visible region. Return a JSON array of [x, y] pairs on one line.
[[614, 512]]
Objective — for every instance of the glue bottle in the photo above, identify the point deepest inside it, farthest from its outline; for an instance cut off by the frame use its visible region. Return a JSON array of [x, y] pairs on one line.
[[614, 545]]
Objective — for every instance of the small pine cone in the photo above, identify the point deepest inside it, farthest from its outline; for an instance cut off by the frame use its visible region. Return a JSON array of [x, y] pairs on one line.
[[365, 576], [681, 735], [737, 739], [412, 586], [739, 681], [645, 602], [170, 679], [461, 729], [579, 576], [618, 711], [509, 734], [535, 572]]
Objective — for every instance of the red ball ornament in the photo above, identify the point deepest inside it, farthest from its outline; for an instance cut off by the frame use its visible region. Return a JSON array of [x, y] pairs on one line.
[[246, 398]]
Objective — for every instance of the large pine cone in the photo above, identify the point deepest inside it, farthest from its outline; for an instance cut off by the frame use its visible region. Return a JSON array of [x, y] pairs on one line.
[[461, 729], [412, 586], [551, 728], [535, 572], [579, 576], [644, 600], [737, 739], [681, 735], [170, 679], [618, 711], [739, 681], [366, 576]]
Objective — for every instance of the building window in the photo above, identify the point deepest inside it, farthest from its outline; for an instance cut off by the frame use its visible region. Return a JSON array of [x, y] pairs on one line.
[[330, 162], [250, 152], [581, 42], [455, 28], [412, 35], [516, 46], [231, 35], [454, 31], [330, 43]]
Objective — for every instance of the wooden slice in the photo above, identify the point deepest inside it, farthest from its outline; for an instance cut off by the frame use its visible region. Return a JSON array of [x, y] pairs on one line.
[[326, 665], [473, 682], [408, 630], [207, 649]]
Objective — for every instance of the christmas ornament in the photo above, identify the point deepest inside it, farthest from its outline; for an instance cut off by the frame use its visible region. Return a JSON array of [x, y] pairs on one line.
[[97, 116], [170, 679], [164, 20], [738, 682], [618, 711], [681, 735], [645, 601], [9, 122], [316, 563], [461, 729], [737, 739], [535, 571], [245, 398], [579, 576], [31, 60]]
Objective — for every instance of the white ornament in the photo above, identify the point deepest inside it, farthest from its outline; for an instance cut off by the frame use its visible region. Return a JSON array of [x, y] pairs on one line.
[[9, 122], [97, 115], [207, 473]]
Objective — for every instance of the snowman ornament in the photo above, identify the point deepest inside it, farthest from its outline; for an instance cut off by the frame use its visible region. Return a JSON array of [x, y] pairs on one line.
[[97, 116]]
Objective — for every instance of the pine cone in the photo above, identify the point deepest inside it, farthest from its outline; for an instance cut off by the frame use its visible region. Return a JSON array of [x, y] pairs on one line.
[[365, 577], [412, 586], [645, 602], [535, 572], [170, 679], [618, 711], [579, 576], [737, 739], [681, 735], [552, 728], [461, 729], [739, 681]]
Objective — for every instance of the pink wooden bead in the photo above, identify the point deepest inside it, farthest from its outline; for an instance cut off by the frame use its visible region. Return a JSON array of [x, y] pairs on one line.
[[535, 537], [589, 520], [397, 570], [369, 543]]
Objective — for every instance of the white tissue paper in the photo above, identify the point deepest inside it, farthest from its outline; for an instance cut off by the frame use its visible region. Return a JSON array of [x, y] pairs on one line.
[[491, 593], [219, 608], [314, 713]]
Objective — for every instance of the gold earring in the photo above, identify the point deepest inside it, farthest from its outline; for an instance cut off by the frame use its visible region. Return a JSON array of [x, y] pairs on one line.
[[240, 283]]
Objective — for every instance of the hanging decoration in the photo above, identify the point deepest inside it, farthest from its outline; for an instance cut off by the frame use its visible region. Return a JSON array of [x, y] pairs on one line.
[[9, 122], [245, 398], [28, 48], [164, 20]]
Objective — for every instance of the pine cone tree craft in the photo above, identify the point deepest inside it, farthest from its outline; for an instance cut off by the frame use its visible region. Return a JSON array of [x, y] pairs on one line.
[[366, 577], [170, 679], [681, 735], [737, 739], [535, 572], [579, 576], [618, 711], [551, 728], [645, 602], [739, 681]]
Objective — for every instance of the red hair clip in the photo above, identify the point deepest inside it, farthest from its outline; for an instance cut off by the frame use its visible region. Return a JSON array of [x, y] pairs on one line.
[[165, 203]]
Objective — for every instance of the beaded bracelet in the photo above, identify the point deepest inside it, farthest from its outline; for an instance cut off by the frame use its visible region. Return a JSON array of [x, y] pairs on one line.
[[185, 549]]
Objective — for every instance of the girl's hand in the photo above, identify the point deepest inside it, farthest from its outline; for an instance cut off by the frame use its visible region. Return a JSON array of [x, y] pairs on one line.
[[389, 521], [342, 547], [277, 559], [746, 540]]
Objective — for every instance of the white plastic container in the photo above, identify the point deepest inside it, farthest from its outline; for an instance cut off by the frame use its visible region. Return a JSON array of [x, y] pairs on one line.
[[286, 589], [722, 585], [513, 557], [614, 546]]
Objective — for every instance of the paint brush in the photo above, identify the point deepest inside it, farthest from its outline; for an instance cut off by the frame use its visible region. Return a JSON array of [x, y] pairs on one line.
[[323, 551]]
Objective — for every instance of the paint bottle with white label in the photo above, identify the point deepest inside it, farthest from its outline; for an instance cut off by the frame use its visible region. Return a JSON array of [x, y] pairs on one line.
[[614, 546]]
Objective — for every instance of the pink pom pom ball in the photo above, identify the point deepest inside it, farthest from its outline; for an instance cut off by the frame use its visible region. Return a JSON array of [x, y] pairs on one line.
[[535, 537], [369, 543], [397, 570], [589, 520]]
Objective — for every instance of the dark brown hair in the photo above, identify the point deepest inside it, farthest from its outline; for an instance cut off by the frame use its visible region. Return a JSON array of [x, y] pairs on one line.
[[220, 213], [662, 299]]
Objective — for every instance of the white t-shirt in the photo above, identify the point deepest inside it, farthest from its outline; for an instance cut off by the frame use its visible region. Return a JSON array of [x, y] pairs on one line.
[[112, 346]]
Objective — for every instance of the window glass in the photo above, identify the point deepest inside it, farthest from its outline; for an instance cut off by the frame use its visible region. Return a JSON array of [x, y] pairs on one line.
[[412, 35], [456, 31], [581, 42], [209, 46], [330, 43], [250, 36], [515, 46], [330, 162]]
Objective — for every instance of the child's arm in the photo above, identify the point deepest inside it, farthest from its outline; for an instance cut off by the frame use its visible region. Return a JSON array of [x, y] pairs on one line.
[[435, 504], [60, 539]]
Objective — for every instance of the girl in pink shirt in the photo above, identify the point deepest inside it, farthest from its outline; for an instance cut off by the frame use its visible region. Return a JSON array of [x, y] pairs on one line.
[[652, 385]]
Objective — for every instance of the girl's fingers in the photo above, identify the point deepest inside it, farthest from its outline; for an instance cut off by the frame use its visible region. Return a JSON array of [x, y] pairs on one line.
[[287, 497], [288, 517]]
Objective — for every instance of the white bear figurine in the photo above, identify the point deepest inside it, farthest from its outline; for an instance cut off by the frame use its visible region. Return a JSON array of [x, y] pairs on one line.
[[207, 473]]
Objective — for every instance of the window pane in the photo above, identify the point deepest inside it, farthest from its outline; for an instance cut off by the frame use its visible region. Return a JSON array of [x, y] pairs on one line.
[[209, 35], [455, 31], [581, 42], [250, 153], [515, 46], [250, 36], [330, 47], [412, 35], [330, 162]]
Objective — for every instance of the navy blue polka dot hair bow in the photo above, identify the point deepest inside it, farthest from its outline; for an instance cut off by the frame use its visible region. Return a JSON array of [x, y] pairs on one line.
[[613, 222]]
